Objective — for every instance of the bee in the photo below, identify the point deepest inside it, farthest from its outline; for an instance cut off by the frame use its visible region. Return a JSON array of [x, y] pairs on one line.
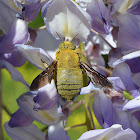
[[67, 71]]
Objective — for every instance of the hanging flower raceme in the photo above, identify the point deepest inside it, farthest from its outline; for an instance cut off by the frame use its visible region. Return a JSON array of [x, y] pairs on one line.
[[67, 21], [40, 106], [17, 33]]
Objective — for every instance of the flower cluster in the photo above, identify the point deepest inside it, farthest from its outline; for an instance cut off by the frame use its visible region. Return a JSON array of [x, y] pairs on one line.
[[106, 28]]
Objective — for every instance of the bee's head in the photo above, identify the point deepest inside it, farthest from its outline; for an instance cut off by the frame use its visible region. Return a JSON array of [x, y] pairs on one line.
[[66, 45]]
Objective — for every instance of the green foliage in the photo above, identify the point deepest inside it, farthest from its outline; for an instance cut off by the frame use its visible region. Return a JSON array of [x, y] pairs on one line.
[[11, 90], [38, 22], [127, 95]]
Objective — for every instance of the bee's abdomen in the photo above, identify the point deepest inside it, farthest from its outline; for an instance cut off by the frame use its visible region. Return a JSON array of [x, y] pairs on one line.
[[69, 82]]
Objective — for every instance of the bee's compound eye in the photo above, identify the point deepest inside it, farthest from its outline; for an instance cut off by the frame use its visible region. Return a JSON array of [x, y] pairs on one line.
[[60, 46], [72, 47]]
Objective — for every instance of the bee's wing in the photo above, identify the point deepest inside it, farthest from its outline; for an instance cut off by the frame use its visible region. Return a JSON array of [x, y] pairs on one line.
[[96, 78], [43, 78]]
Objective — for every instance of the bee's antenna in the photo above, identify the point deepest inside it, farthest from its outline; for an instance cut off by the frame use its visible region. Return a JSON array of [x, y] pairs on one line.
[[59, 36], [74, 37]]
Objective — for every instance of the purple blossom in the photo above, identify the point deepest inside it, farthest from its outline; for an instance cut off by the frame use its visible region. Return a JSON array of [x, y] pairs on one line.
[[16, 35], [22, 133], [100, 16], [109, 106], [30, 10]]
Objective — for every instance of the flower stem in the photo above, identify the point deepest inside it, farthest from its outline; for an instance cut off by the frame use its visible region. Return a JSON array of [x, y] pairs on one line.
[[70, 127], [6, 110], [89, 119], [1, 132], [77, 105], [104, 69], [41, 28], [102, 38], [106, 2]]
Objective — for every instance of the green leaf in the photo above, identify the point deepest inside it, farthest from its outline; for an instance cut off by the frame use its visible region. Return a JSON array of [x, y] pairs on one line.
[[38, 22], [127, 95]]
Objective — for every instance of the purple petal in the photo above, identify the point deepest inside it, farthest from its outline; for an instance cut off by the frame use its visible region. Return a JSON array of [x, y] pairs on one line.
[[35, 56], [114, 54], [33, 35], [135, 9], [133, 64], [133, 105], [15, 74], [18, 34], [136, 79], [115, 132], [47, 117], [123, 71], [7, 14], [96, 59], [25, 133], [100, 16], [129, 31], [15, 58], [126, 119], [31, 11], [64, 12], [117, 83], [135, 93], [47, 97], [43, 38], [26, 2], [19, 119], [101, 106], [57, 132], [115, 33], [137, 114]]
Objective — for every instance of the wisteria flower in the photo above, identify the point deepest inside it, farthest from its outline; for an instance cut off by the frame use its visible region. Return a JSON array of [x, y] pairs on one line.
[[16, 35], [41, 107], [117, 109], [100, 16], [71, 19], [129, 32], [114, 132], [27, 10]]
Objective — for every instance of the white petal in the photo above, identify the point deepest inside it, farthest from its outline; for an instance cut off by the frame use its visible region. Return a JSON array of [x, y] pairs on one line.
[[111, 133], [70, 19], [88, 89], [35, 56], [133, 104], [129, 56]]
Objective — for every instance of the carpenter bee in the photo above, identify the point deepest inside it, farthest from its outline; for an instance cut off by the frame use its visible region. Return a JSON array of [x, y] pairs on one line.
[[67, 71]]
